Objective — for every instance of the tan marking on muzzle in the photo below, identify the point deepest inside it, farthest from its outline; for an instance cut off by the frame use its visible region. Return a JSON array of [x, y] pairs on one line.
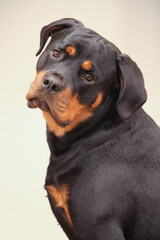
[[36, 85], [76, 113]]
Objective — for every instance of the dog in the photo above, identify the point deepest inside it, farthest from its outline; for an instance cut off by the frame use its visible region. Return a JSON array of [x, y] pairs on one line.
[[103, 178]]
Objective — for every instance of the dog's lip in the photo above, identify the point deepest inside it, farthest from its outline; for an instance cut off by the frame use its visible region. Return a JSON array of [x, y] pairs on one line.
[[38, 103], [42, 104]]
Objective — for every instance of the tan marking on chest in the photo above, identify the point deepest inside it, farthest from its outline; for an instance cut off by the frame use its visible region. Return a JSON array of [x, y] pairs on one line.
[[87, 65], [61, 197], [121, 80], [76, 113]]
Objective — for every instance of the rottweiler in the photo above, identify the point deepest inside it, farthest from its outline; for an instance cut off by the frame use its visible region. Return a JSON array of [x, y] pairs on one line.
[[103, 178]]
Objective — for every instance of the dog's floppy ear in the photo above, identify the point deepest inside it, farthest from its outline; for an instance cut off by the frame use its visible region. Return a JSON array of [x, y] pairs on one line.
[[49, 30], [132, 93]]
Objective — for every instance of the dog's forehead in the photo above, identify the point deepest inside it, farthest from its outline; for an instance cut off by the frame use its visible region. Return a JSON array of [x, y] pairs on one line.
[[84, 40], [80, 36], [86, 44]]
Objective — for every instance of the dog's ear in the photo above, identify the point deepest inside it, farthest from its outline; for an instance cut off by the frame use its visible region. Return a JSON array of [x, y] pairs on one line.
[[53, 27], [132, 92]]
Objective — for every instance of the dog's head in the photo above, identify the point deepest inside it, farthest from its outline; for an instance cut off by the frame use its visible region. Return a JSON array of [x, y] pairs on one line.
[[80, 72]]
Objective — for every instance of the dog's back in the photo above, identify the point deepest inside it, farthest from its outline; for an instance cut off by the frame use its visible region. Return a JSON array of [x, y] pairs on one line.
[[120, 181]]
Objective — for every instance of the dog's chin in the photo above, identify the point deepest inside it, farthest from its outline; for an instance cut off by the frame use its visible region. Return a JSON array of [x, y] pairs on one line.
[[42, 104]]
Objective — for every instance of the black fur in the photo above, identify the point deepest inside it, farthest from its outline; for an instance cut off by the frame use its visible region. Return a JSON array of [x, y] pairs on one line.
[[111, 162]]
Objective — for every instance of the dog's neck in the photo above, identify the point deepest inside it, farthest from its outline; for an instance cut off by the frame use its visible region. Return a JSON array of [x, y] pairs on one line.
[[69, 152], [59, 145], [104, 118]]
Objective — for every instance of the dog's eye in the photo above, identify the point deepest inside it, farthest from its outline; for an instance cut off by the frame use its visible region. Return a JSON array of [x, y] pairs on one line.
[[89, 77], [56, 53]]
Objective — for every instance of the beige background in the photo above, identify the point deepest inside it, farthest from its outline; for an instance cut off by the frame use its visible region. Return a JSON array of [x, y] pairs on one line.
[[134, 26]]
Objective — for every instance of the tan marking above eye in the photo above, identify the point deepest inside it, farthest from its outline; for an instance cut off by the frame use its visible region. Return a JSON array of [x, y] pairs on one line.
[[87, 65], [71, 50]]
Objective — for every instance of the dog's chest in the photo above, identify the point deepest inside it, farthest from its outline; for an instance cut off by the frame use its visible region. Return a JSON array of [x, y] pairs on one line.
[[61, 197]]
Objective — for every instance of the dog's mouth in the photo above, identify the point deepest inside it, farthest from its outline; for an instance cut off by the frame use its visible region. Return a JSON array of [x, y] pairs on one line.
[[38, 102], [55, 104]]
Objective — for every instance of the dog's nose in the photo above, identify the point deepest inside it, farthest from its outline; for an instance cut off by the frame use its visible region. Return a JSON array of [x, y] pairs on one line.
[[52, 83]]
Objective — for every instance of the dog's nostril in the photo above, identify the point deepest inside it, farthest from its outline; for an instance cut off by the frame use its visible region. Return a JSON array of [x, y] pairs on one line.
[[51, 84], [55, 88], [46, 82]]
